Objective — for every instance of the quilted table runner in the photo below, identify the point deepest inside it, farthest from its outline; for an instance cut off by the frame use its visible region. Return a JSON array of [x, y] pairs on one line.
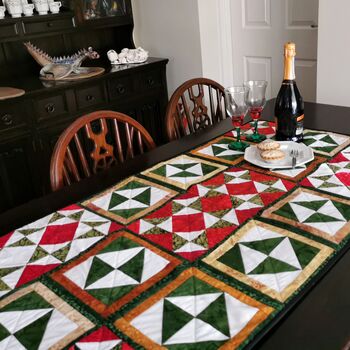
[[202, 251]]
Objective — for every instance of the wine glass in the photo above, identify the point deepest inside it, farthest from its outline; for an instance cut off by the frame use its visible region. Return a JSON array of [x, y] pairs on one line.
[[236, 108], [256, 102]]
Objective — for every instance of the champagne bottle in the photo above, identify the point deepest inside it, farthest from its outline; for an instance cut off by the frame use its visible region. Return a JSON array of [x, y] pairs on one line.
[[289, 106]]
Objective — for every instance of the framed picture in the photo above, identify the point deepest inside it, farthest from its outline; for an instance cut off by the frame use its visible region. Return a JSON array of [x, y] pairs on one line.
[[95, 11]]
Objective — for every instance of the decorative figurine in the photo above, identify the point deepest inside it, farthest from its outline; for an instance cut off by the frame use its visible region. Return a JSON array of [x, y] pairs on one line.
[[128, 56], [64, 68]]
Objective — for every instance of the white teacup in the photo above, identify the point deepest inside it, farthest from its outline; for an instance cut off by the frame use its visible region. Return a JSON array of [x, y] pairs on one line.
[[2, 12], [28, 9], [41, 6], [55, 6], [14, 7]]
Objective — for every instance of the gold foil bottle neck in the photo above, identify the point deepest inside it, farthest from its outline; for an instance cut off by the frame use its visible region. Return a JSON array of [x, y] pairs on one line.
[[289, 49]]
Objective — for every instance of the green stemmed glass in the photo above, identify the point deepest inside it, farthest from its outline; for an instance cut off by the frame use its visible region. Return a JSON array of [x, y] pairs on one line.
[[236, 108], [256, 101]]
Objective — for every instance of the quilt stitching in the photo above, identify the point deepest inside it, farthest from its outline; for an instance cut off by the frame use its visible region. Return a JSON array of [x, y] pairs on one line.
[[114, 272], [272, 260], [195, 309]]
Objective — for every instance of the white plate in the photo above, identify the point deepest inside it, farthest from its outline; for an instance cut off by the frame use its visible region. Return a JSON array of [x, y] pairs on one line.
[[252, 155]]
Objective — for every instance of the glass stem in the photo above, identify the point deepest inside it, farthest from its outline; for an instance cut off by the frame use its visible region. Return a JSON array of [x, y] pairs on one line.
[[255, 126], [238, 130]]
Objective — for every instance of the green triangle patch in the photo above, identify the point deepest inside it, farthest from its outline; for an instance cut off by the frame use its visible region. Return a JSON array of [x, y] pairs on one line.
[[121, 243], [313, 205], [127, 213], [217, 150], [109, 295], [216, 315], [174, 319], [56, 216], [265, 246], [62, 253], [97, 270], [38, 254], [134, 267], [304, 252], [178, 242], [76, 216], [272, 265], [319, 217], [116, 199], [23, 242], [233, 259], [31, 336], [286, 211], [4, 333], [201, 240], [30, 301], [144, 197], [193, 286], [7, 270], [183, 166], [90, 234]]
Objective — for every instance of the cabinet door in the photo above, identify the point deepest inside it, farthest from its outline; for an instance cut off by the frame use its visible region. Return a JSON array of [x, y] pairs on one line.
[[149, 113], [16, 174], [47, 139]]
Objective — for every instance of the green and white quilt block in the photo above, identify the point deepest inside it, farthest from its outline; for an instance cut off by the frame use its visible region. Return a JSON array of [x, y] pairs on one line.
[[218, 150], [326, 143], [274, 261], [184, 171], [317, 213], [115, 271], [194, 311], [130, 199], [35, 318]]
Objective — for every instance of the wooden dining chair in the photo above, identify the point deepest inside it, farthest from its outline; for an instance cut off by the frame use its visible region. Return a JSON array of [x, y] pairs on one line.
[[96, 142], [194, 105]]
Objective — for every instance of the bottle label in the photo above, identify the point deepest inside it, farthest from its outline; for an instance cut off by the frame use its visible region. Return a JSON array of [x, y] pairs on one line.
[[300, 125]]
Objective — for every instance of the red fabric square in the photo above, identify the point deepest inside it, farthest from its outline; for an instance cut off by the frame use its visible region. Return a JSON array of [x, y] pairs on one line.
[[165, 239], [241, 188], [211, 204], [59, 233], [188, 223]]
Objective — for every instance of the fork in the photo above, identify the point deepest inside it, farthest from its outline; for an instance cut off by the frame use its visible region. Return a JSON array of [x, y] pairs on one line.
[[294, 153]]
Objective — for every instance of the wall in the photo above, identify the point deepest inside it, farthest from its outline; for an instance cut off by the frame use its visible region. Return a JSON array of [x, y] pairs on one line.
[[333, 72], [193, 34], [170, 28]]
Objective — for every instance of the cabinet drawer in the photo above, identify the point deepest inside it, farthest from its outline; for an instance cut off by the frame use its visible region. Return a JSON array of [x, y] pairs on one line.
[[52, 106], [47, 26], [11, 117], [120, 88], [8, 30], [150, 80], [90, 96]]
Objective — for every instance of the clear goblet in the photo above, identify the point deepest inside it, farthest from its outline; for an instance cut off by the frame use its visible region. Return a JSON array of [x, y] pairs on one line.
[[256, 101], [236, 108]]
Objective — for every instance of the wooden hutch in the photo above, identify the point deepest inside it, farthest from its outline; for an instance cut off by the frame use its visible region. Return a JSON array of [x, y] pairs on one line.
[[31, 124]]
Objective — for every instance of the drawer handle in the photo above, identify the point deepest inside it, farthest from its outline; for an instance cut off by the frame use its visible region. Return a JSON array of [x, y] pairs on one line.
[[7, 119], [89, 98], [150, 81], [121, 89], [50, 24], [50, 108]]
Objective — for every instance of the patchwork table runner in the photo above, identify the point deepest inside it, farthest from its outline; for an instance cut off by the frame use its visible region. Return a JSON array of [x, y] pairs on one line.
[[202, 251]]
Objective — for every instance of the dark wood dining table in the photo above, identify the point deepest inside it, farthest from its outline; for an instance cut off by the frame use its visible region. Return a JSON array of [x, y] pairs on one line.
[[318, 319]]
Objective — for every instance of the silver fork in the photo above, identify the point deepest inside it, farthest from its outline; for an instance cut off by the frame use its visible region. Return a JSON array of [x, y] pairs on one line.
[[294, 153]]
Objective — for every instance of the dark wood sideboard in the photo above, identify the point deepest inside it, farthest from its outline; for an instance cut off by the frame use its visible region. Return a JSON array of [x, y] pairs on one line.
[[31, 124]]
